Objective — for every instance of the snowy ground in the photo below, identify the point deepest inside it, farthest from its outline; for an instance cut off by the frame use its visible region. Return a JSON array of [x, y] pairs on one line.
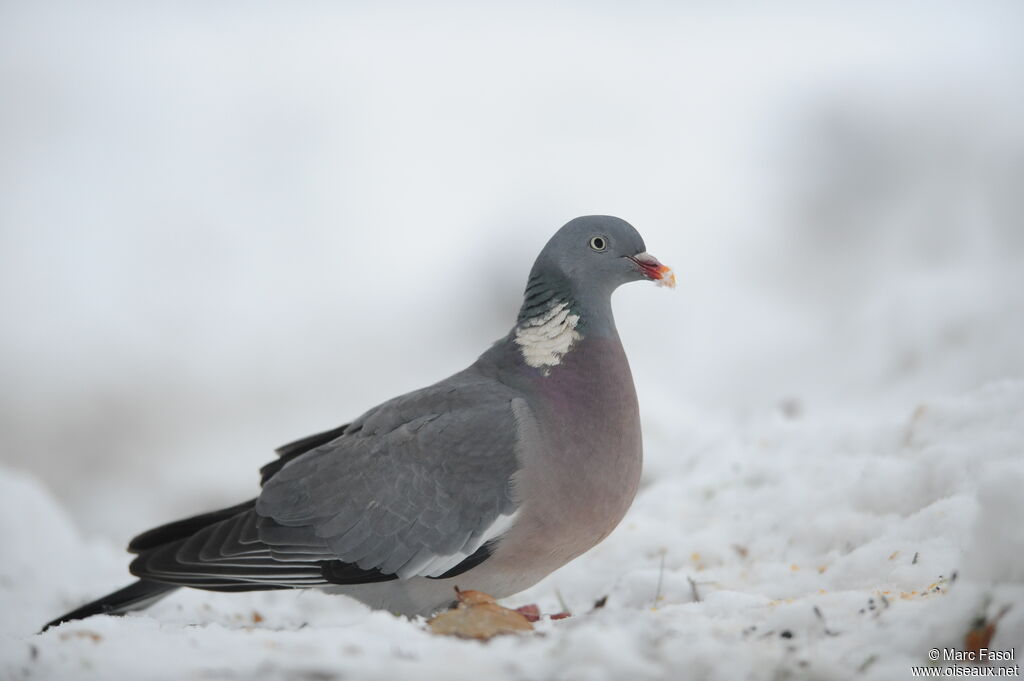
[[779, 548], [224, 227]]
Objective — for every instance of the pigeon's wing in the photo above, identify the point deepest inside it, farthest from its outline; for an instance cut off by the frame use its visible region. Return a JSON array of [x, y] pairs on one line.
[[183, 529], [413, 487], [420, 486], [297, 448]]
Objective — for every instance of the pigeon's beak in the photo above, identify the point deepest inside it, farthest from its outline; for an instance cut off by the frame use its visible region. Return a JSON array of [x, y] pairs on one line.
[[652, 268]]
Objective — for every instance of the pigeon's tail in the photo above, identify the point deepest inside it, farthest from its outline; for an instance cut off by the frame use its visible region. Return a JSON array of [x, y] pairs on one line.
[[140, 594]]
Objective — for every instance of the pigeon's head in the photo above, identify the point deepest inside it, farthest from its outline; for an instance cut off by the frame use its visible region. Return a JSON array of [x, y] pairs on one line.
[[600, 252]]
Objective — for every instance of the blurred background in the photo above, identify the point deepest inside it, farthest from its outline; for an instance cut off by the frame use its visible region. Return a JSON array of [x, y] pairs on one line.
[[225, 226]]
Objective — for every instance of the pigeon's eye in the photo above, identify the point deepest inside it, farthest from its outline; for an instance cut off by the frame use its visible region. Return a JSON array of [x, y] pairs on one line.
[[598, 243]]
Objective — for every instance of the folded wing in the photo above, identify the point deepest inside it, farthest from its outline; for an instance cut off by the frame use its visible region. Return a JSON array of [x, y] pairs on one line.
[[420, 486]]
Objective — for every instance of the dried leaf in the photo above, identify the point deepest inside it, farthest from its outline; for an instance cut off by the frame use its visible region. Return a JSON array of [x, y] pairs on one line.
[[477, 615], [530, 612], [981, 633], [471, 597], [81, 633]]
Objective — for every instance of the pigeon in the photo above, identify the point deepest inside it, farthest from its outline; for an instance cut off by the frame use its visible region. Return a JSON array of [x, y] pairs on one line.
[[490, 479]]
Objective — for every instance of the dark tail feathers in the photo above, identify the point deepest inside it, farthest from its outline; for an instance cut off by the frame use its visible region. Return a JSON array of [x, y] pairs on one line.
[[136, 596], [144, 592]]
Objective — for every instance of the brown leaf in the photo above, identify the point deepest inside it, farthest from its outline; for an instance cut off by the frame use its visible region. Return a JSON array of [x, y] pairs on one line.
[[530, 612], [981, 633], [81, 633], [470, 597], [979, 637], [477, 615]]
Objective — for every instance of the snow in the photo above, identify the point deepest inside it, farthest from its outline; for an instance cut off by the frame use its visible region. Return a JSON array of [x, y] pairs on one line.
[[751, 534], [224, 228]]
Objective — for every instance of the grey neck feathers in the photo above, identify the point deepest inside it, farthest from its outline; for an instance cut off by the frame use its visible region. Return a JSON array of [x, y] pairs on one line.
[[554, 319], [594, 306], [541, 293]]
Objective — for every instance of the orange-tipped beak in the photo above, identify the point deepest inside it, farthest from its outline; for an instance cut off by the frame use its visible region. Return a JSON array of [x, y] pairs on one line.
[[662, 275]]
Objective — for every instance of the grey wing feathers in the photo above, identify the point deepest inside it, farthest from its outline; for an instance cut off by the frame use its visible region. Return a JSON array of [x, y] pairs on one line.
[[248, 552], [412, 487], [234, 551], [421, 485], [297, 448]]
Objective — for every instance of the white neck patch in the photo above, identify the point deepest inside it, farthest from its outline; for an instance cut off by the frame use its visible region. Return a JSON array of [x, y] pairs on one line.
[[543, 340]]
